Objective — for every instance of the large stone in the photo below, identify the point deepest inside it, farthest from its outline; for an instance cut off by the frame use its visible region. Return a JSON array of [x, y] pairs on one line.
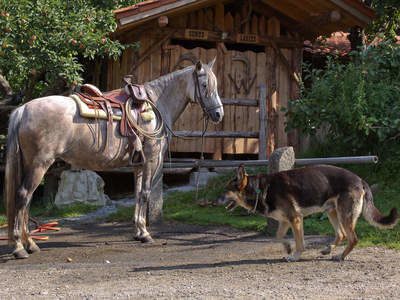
[[281, 159], [201, 177], [82, 186]]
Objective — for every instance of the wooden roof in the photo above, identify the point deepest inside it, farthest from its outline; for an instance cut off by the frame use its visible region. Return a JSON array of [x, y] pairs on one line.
[[311, 18]]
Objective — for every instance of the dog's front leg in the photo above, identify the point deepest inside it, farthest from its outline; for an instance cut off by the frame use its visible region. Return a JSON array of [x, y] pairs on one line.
[[280, 235], [297, 228]]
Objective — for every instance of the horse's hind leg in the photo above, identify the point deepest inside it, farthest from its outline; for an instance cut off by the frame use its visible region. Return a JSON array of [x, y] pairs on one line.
[[138, 174], [21, 235]]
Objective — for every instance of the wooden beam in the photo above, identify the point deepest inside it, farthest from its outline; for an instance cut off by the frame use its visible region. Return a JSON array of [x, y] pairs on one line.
[[319, 20], [213, 36], [263, 135], [289, 9], [239, 102], [150, 50], [217, 134]]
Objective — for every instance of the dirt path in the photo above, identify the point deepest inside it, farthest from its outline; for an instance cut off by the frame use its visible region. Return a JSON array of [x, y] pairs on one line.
[[189, 261]]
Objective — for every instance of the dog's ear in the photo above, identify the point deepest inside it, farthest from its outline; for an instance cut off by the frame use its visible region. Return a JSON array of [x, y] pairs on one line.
[[240, 173]]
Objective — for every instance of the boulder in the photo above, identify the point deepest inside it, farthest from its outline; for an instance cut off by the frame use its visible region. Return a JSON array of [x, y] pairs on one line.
[[81, 186]]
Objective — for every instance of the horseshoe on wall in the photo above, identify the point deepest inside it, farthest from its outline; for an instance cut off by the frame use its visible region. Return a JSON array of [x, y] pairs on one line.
[[246, 82], [183, 57]]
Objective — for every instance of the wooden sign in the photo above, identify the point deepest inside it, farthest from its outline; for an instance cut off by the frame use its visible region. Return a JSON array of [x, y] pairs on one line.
[[194, 34], [247, 38]]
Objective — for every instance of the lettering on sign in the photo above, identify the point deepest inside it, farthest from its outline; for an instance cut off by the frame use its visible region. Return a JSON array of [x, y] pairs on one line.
[[194, 34], [247, 38]]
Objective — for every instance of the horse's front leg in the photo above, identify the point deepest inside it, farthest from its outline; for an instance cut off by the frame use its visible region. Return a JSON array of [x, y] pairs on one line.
[[154, 152]]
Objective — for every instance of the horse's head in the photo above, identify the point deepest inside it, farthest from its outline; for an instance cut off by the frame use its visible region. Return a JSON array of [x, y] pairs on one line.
[[205, 91]]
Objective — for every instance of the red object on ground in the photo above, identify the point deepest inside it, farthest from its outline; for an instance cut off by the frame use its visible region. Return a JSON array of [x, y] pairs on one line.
[[39, 228]]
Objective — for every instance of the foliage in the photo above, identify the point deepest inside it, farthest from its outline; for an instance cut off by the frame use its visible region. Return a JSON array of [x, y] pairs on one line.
[[387, 22], [359, 103], [44, 41]]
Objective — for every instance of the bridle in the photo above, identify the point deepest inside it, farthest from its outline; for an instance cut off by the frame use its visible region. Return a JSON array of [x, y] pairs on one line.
[[198, 97]]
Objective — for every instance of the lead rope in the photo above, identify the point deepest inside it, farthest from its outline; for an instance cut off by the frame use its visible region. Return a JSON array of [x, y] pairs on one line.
[[205, 125]]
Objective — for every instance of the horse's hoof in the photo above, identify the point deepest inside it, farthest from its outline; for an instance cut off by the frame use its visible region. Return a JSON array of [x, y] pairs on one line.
[[33, 249], [146, 239], [20, 254]]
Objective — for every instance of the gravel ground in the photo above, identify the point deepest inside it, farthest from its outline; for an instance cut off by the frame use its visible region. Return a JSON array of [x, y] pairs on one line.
[[89, 260]]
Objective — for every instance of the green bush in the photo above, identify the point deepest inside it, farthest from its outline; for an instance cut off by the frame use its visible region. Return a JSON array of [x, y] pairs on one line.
[[358, 102]]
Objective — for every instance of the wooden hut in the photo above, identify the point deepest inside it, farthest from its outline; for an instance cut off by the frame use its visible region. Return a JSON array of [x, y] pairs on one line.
[[258, 45]]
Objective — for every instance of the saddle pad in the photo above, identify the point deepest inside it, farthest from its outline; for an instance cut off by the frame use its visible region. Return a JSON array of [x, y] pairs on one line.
[[87, 112]]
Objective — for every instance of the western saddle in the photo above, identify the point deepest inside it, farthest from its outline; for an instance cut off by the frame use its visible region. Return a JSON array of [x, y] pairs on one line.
[[117, 99]]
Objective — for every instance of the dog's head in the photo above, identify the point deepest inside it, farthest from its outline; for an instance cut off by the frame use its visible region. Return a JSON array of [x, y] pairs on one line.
[[234, 194]]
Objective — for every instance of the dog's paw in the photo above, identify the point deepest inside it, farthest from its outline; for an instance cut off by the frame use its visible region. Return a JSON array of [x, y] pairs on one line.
[[292, 258]]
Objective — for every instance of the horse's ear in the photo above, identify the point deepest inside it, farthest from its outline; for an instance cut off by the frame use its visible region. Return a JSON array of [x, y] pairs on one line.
[[211, 63], [199, 66]]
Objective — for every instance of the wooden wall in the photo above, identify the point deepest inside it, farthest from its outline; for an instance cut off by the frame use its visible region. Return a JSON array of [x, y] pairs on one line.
[[233, 69]]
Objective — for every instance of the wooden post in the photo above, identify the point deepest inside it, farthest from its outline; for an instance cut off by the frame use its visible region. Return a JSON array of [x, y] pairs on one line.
[[273, 30], [262, 139]]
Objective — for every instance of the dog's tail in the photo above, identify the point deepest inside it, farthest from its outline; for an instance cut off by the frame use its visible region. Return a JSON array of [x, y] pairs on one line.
[[372, 214]]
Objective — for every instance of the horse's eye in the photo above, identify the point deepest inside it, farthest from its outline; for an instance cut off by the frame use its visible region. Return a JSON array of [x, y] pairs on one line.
[[204, 85]]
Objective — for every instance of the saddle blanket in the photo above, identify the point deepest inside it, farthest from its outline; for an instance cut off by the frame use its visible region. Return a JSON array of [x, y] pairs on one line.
[[145, 111]]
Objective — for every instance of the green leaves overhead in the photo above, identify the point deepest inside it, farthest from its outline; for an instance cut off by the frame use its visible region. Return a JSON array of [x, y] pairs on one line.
[[42, 41]]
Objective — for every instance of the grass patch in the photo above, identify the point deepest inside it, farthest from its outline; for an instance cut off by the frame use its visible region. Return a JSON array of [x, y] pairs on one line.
[[181, 206], [51, 210], [3, 220]]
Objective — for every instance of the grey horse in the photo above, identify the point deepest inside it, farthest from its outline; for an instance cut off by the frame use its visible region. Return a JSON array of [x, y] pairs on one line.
[[48, 128]]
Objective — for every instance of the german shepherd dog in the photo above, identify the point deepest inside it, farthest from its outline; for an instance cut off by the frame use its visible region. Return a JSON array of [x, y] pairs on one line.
[[289, 196]]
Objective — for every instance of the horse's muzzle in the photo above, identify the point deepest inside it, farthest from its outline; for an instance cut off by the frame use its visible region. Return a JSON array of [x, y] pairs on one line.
[[216, 114]]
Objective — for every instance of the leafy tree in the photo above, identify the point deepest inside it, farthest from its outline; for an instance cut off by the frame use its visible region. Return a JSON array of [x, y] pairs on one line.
[[42, 42], [358, 102], [388, 18]]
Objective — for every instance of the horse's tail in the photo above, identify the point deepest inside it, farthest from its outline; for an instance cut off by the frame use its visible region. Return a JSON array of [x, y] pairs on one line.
[[372, 214], [13, 171]]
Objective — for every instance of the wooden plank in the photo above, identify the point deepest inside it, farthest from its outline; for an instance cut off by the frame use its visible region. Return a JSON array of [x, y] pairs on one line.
[[156, 63], [251, 113], [200, 20], [229, 110], [262, 139], [214, 134], [175, 52], [272, 98], [237, 26], [148, 48], [124, 63], [254, 24], [238, 101], [283, 94], [245, 14], [219, 72], [209, 17], [192, 20], [116, 74], [228, 22], [262, 25], [219, 17], [110, 73]]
